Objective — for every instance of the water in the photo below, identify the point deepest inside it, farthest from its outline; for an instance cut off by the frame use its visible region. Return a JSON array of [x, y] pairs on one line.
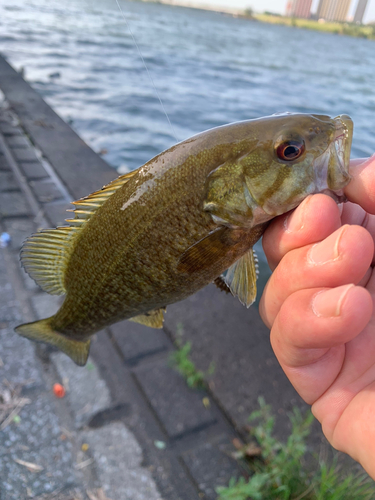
[[209, 69]]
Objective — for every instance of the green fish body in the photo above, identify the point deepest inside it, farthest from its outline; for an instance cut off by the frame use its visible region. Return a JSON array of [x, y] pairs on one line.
[[164, 231]]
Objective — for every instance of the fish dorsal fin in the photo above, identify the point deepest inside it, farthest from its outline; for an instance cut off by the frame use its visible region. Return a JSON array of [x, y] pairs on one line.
[[153, 318], [88, 205], [45, 255], [241, 278]]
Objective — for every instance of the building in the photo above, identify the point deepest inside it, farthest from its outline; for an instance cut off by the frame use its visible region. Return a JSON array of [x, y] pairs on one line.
[[323, 9], [298, 8], [342, 9], [360, 11], [333, 10]]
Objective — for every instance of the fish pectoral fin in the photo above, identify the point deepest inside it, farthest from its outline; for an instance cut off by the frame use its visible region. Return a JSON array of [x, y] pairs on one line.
[[153, 318], [241, 278], [211, 248], [41, 331]]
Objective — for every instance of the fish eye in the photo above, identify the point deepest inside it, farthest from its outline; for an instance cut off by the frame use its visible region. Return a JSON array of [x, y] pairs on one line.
[[290, 150]]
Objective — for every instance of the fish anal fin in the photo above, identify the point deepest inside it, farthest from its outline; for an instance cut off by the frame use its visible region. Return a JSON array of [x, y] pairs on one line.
[[153, 319], [241, 278], [41, 331]]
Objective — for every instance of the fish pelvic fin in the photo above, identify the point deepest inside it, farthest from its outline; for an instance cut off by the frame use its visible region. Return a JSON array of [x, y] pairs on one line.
[[153, 318], [241, 278], [41, 331]]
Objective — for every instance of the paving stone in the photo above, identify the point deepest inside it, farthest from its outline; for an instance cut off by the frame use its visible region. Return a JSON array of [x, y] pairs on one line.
[[7, 129], [38, 426], [235, 339], [26, 373], [87, 392], [3, 163], [33, 170], [46, 305], [211, 466], [13, 348], [7, 181], [118, 459], [45, 190], [18, 229], [13, 204], [180, 409], [138, 341], [35, 439], [24, 154], [56, 213], [30, 283], [18, 141]]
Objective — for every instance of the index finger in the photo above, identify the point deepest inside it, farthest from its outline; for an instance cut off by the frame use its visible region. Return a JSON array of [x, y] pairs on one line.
[[361, 189]]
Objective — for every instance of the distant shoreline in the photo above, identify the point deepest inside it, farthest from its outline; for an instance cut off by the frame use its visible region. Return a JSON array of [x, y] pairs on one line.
[[349, 29]]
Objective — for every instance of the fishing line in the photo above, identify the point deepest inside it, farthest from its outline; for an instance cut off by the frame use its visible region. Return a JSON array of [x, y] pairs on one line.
[[146, 68]]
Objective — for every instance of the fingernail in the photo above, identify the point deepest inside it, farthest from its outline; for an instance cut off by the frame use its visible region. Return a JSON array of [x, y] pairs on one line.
[[327, 250], [328, 303], [295, 220]]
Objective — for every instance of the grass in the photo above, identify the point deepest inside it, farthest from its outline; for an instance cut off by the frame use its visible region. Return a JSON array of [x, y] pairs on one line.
[[280, 471], [181, 360], [350, 29]]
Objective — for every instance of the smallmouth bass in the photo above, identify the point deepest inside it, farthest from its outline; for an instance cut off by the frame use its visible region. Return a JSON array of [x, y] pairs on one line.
[[188, 217]]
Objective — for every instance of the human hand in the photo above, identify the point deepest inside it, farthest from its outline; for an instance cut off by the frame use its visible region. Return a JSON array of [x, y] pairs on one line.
[[319, 306]]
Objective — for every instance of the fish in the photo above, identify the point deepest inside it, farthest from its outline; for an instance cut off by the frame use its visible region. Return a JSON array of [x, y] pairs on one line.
[[188, 217]]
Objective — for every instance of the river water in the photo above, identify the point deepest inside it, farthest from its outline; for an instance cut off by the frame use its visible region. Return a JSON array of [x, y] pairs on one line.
[[208, 68]]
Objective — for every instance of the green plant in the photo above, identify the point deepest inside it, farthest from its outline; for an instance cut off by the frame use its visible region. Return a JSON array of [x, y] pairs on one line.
[[180, 359], [281, 471]]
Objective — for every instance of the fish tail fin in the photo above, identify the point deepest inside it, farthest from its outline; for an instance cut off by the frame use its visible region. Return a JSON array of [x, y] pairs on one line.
[[41, 331]]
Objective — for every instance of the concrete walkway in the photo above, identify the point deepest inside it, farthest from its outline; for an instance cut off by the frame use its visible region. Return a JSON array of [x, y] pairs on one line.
[[49, 447]]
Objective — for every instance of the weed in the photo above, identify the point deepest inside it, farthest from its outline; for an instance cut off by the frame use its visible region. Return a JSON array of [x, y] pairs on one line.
[[180, 359], [281, 472]]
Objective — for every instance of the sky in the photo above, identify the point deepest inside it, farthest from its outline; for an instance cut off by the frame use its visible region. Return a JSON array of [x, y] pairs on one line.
[[279, 6]]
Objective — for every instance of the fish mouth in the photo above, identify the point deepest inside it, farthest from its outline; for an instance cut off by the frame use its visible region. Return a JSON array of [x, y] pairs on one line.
[[343, 141], [338, 157], [332, 174], [337, 196]]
